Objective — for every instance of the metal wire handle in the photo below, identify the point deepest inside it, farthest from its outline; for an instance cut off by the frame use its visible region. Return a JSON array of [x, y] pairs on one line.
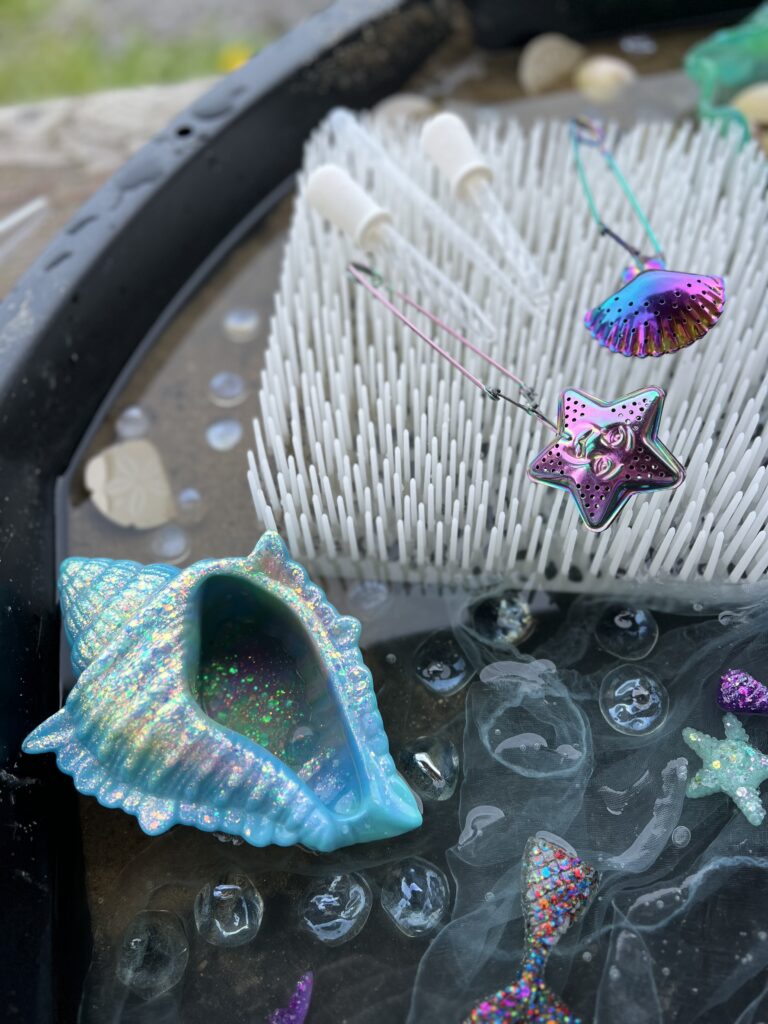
[[586, 132]]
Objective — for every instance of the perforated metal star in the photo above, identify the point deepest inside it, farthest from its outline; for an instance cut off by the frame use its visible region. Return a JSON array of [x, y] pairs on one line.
[[605, 452], [731, 766]]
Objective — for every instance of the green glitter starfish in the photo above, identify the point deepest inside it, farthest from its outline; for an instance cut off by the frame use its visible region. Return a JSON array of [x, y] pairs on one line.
[[731, 766]]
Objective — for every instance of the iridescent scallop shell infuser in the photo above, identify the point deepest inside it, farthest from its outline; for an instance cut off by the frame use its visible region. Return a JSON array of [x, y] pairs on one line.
[[657, 311], [230, 696]]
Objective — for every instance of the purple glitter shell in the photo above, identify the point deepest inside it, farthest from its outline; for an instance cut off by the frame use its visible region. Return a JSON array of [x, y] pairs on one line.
[[742, 693], [657, 312]]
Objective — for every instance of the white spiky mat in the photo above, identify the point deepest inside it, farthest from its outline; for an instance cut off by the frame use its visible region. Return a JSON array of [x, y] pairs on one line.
[[368, 446]]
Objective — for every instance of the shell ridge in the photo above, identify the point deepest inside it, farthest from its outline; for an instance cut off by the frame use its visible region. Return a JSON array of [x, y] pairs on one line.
[[88, 592], [134, 735], [661, 300]]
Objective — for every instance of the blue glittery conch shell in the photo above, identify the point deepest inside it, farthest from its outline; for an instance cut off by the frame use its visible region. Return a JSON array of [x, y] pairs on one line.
[[230, 696]]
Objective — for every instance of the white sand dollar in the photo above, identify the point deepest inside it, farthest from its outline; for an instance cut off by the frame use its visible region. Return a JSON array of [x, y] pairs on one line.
[[128, 484]]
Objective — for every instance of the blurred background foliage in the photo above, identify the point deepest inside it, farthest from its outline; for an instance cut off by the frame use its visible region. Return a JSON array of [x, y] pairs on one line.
[[50, 48]]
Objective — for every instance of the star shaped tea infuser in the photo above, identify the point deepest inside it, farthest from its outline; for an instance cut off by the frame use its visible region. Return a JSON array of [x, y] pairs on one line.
[[605, 452], [731, 766]]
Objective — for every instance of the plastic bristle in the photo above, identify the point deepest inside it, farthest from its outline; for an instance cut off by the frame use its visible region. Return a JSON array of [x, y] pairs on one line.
[[401, 460]]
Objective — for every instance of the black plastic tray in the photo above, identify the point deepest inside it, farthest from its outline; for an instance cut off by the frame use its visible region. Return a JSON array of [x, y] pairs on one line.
[[82, 315]]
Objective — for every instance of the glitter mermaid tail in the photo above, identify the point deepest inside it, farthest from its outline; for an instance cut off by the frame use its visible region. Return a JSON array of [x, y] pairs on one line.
[[557, 888], [230, 696]]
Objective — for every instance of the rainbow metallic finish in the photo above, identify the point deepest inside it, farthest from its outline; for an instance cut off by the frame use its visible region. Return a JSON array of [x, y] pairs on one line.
[[604, 452], [557, 887], [658, 311], [230, 696]]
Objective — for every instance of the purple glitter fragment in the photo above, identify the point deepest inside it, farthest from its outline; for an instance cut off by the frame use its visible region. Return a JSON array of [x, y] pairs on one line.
[[741, 692], [298, 1008]]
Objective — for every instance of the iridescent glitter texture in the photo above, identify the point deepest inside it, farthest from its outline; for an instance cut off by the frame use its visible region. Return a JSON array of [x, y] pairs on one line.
[[732, 766], [230, 696], [605, 452], [742, 693], [298, 1008], [557, 887]]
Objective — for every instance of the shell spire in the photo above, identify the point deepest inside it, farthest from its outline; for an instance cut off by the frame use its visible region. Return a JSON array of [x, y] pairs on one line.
[[99, 596], [231, 696]]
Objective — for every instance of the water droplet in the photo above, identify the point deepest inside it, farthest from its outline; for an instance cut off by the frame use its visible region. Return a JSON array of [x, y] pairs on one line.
[[504, 621], [132, 422], [614, 973], [229, 913], [227, 389], [189, 502], [762, 936], [153, 954], [633, 701], [666, 971], [224, 435], [430, 765], [681, 836], [368, 597], [416, 896], [586, 956], [626, 633], [441, 666], [334, 910], [242, 324], [391, 659], [170, 543]]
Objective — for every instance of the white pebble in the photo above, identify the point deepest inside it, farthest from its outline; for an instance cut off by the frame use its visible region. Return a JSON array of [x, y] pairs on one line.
[[603, 78], [546, 61]]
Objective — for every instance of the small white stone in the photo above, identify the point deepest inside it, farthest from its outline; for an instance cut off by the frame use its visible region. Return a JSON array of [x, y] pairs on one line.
[[752, 103], [603, 78], [403, 106], [547, 61], [129, 486]]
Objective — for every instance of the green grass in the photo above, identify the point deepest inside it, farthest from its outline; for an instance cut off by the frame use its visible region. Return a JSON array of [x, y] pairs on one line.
[[37, 62]]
